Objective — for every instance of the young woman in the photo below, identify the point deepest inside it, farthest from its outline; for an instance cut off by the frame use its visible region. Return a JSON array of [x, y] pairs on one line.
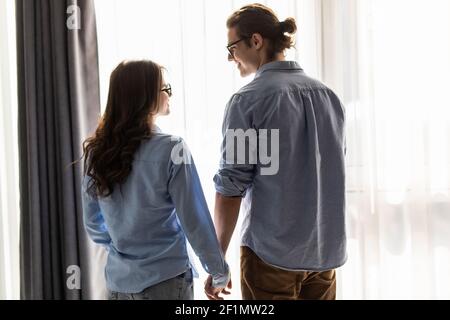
[[139, 200]]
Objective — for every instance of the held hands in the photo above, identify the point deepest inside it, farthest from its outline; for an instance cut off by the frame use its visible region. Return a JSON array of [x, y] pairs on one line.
[[213, 293]]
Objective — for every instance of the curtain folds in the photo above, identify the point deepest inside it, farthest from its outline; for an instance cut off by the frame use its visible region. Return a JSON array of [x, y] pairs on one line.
[[58, 98]]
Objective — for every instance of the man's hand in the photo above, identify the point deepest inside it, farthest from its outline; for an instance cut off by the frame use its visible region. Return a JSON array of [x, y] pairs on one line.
[[225, 217], [213, 293]]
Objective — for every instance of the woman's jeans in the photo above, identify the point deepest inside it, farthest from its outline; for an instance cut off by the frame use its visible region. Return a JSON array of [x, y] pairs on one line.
[[178, 288]]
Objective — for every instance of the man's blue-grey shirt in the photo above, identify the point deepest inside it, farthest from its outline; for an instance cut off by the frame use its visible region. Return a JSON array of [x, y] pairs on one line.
[[145, 221], [295, 218]]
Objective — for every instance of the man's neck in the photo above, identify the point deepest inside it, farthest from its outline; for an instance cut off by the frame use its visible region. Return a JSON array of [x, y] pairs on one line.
[[277, 57]]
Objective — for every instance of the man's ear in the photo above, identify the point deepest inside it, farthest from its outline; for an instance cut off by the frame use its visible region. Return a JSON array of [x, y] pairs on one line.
[[257, 41]]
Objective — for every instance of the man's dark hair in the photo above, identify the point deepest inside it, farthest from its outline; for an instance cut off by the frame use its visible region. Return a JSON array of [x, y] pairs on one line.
[[257, 18]]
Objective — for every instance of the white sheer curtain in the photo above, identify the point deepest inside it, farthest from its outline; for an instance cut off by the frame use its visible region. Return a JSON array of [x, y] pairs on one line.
[[9, 186], [388, 60]]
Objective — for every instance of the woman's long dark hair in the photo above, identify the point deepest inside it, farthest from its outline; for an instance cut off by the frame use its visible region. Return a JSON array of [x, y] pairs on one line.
[[133, 101]]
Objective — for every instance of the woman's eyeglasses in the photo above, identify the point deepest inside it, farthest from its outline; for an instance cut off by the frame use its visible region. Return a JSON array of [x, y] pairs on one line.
[[168, 90]]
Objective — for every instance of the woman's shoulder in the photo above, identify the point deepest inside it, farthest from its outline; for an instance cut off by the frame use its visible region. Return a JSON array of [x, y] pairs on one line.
[[159, 147]]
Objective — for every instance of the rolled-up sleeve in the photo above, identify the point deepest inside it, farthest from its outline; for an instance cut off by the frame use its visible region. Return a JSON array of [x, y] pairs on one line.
[[233, 178], [94, 222]]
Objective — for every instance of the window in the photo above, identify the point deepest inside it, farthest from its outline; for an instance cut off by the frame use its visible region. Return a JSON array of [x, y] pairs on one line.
[[387, 60]]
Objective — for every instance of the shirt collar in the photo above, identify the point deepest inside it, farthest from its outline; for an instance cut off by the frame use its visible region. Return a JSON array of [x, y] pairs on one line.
[[156, 129], [278, 65]]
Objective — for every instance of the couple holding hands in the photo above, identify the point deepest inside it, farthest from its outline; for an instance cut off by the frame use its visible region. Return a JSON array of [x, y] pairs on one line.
[[143, 205]]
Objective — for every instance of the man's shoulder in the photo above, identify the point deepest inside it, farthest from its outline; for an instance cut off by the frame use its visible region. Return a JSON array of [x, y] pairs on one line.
[[264, 87]]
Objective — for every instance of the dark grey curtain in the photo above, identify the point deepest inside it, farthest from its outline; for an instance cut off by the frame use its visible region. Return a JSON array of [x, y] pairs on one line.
[[58, 107]]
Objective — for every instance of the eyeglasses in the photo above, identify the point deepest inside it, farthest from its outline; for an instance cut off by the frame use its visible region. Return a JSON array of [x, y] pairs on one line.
[[168, 90], [231, 46]]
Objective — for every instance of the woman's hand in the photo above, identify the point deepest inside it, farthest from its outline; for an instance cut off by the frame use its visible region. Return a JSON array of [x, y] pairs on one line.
[[213, 293]]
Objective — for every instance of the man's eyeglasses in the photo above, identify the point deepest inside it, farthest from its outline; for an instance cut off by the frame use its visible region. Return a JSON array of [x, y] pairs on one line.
[[168, 90], [231, 46]]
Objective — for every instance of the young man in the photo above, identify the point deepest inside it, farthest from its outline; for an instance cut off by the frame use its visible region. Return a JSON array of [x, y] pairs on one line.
[[293, 235]]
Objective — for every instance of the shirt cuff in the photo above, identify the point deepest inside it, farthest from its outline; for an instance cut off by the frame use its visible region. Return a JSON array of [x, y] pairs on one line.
[[220, 281], [225, 186]]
